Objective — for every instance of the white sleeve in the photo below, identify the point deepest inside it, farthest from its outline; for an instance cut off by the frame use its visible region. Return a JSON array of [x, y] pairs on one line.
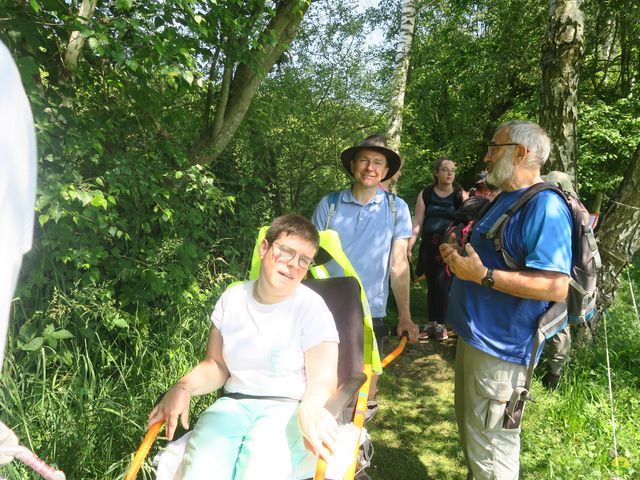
[[318, 324], [218, 311], [17, 161]]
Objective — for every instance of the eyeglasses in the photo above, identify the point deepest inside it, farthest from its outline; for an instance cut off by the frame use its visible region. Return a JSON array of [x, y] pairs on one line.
[[447, 170], [492, 146], [286, 253], [376, 164]]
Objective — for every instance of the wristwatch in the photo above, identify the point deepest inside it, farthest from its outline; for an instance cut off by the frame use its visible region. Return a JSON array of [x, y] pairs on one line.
[[488, 281]]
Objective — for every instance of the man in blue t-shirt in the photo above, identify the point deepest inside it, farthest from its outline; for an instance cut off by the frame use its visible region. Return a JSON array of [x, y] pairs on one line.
[[494, 309], [372, 236]]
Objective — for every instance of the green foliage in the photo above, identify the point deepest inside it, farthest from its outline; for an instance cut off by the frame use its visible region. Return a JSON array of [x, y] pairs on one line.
[[468, 75], [569, 432], [134, 242], [287, 151], [477, 64], [610, 134]]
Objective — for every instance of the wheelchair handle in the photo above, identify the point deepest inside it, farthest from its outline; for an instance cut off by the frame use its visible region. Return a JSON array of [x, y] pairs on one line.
[[321, 469], [396, 352], [338, 401], [143, 450]]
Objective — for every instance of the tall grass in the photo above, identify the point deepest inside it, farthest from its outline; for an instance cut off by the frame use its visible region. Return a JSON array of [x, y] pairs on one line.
[[568, 434], [81, 403]]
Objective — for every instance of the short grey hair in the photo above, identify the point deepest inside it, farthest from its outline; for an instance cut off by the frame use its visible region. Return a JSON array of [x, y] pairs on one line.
[[532, 136]]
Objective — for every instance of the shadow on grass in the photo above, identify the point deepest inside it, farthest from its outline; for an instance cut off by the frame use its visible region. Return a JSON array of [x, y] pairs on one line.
[[414, 431]]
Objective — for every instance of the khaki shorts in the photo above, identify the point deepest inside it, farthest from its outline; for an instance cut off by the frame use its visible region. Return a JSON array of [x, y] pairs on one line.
[[483, 386]]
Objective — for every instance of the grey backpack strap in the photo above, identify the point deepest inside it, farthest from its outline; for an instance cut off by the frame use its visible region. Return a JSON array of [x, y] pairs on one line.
[[555, 315], [391, 197], [333, 201], [496, 232]]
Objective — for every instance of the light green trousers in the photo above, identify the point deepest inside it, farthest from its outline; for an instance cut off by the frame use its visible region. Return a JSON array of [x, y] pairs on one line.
[[246, 439]]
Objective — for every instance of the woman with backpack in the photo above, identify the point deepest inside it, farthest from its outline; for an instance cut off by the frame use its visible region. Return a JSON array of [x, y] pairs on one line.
[[435, 209]]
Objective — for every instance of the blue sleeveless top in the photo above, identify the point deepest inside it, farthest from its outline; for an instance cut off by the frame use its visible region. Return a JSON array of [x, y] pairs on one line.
[[439, 213]]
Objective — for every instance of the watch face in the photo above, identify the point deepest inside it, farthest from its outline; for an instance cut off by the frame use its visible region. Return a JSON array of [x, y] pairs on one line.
[[488, 280]]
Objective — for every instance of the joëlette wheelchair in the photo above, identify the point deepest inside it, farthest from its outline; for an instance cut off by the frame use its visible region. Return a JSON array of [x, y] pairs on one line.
[[358, 356]]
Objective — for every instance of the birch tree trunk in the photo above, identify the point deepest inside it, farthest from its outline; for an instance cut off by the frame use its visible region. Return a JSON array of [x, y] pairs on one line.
[[247, 77], [76, 41], [401, 69], [399, 86], [619, 235], [561, 54]]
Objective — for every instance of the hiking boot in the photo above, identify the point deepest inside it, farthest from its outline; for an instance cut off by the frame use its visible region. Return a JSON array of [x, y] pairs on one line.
[[550, 380], [429, 331], [441, 333]]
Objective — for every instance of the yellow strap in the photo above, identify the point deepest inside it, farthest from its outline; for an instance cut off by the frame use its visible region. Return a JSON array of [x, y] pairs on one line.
[[330, 242]]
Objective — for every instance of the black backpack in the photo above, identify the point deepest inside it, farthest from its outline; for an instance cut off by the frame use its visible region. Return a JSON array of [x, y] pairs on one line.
[[580, 304], [465, 218]]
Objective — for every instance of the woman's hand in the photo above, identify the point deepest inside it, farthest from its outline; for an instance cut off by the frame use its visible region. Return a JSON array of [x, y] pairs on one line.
[[319, 429], [174, 404]]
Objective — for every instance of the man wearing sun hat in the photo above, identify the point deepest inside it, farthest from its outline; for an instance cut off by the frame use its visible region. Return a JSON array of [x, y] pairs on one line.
[[374, 228]]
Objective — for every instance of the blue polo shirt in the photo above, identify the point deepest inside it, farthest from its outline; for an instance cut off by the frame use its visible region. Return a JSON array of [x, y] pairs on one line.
[[538, 236], [366, 233]]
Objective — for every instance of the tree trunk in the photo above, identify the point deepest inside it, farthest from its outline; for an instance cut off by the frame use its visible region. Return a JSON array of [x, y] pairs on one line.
[[223, 97], [561, 53], [76, 41], [619, 235], [273, 41], [625, 54], [401, 69], [208, 102]]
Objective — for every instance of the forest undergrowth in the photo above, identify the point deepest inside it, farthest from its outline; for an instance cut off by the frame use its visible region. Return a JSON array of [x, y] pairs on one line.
[[84, 409], [567, 433]]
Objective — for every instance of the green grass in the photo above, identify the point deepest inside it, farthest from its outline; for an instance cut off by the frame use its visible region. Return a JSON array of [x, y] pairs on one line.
[[567, 433], [414, 431], [82, 403]]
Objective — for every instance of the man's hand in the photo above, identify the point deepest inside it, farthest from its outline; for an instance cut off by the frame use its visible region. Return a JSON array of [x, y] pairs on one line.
[[469, 267], [405, 325], [7, 439]]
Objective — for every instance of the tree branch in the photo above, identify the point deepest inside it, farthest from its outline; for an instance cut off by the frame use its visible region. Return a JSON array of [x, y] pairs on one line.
[[77, 41]]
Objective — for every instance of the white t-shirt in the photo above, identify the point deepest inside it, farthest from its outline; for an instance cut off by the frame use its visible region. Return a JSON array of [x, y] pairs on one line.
[[17, 182], [263, 345]]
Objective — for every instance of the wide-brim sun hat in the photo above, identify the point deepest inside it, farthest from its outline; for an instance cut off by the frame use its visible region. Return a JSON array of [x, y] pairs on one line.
[[379, 144]]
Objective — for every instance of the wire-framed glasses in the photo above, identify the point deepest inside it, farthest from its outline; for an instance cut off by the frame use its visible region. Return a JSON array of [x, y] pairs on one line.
[[285, 253], [492, 146]]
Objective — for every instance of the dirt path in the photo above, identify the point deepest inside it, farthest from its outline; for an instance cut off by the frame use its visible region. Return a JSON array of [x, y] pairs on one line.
[[414, 432]]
